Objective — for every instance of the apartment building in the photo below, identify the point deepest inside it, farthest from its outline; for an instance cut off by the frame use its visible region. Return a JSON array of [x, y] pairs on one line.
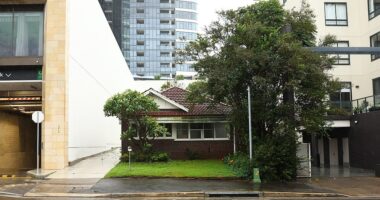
[[355, 24], [49, 62], [151, 31]]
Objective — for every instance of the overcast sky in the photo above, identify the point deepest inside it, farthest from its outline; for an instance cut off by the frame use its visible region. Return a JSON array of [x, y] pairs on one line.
[[207, 9]]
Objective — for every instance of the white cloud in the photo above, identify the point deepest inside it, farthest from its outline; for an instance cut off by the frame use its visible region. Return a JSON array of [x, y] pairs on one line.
[[207, 9]]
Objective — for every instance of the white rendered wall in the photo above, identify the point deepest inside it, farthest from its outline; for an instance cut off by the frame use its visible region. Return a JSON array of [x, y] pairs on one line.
[[97, 70], [362, 70]]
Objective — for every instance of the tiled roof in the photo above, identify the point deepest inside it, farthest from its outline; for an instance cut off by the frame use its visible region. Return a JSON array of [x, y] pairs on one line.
[[179, 96]]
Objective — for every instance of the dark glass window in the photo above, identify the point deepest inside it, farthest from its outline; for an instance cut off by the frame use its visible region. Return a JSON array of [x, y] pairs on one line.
[[342, 98], [375, 42], [373, 8], [376, 91], [21, 32], [336, 14], [341, 59]]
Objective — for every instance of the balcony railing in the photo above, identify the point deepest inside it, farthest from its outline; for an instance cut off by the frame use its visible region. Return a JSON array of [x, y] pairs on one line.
[[366, 104]]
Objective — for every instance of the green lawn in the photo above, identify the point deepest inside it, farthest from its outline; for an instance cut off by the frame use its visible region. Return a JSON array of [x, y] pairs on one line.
[[182, 169]]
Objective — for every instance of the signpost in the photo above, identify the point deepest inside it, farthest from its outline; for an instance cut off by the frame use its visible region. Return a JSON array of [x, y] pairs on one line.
[[129, 151], [38, 117]]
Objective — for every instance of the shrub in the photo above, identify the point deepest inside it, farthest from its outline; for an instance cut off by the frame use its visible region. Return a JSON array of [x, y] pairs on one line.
[[141, 157], [191, 155], [276, 157], [240, 164], [160, 157]]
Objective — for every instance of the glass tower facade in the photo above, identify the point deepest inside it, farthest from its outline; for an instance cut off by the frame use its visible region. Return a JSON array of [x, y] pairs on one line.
[[152, 30]]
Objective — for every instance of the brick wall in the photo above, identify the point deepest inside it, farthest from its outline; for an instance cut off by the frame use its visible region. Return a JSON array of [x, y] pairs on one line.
[[177, 149]]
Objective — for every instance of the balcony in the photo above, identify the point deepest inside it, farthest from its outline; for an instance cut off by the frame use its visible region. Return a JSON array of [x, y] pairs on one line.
[[366, 104]]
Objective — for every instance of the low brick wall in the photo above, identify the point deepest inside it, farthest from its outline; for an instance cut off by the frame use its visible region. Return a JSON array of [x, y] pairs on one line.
[[177, 149]]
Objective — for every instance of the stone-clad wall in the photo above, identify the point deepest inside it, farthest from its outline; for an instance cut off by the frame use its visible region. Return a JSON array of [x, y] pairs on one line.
[[55, 133]]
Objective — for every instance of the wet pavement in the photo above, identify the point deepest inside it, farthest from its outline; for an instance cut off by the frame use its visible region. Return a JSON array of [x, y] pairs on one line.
[[341, 172], [145, 185]]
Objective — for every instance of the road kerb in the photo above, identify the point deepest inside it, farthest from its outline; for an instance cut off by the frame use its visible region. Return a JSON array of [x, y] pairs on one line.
[[301, 194], [115, 195]]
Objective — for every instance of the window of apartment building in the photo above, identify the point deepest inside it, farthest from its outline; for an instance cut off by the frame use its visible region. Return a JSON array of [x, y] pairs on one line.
[[164, 1], [140, 21], [173, 65], [164, 11], [373, 8], [140, 32], [140, 43], [336, 14], [164, 43], [140, 65], [341, 59], [165, 54], [202, 131], [342, 98], [140, 1], [140, 53], [164, 21], [375, 42], [140, 11], [165, 65], [164, 32], [21, 31], [376, 91]]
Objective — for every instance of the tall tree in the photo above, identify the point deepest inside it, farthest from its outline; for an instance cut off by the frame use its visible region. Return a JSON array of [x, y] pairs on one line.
[[262, 46]]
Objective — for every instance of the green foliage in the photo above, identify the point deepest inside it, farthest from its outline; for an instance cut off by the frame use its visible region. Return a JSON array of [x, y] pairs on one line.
[[191, 155], [143, 157], [262, 46], [128, 105], [170, 84], [197, 92], [179, 77], [240, 164], [275, 157], [131, 107], [157, 77]]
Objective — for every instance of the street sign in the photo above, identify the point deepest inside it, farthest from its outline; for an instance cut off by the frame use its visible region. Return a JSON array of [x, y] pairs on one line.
[[38, 117]]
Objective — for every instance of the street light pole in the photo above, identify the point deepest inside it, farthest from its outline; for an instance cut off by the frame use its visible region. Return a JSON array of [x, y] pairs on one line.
[[249, 122]]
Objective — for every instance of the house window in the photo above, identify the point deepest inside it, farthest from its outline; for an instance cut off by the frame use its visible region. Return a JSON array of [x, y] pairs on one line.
[[342, 98], [373, 8], [182, 131], [376, 91], [21, 32], [341, 59], [375, 42], [336, 14], [168, 129], [201, 131]]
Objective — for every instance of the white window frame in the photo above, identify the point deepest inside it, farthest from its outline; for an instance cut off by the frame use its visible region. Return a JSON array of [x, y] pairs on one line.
[[202, 133]]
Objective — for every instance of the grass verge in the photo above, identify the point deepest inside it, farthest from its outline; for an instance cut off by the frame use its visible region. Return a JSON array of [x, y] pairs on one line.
[[176, 169]]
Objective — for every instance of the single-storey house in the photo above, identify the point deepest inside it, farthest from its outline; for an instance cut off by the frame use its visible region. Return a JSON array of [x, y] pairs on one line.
[[201, 128]]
